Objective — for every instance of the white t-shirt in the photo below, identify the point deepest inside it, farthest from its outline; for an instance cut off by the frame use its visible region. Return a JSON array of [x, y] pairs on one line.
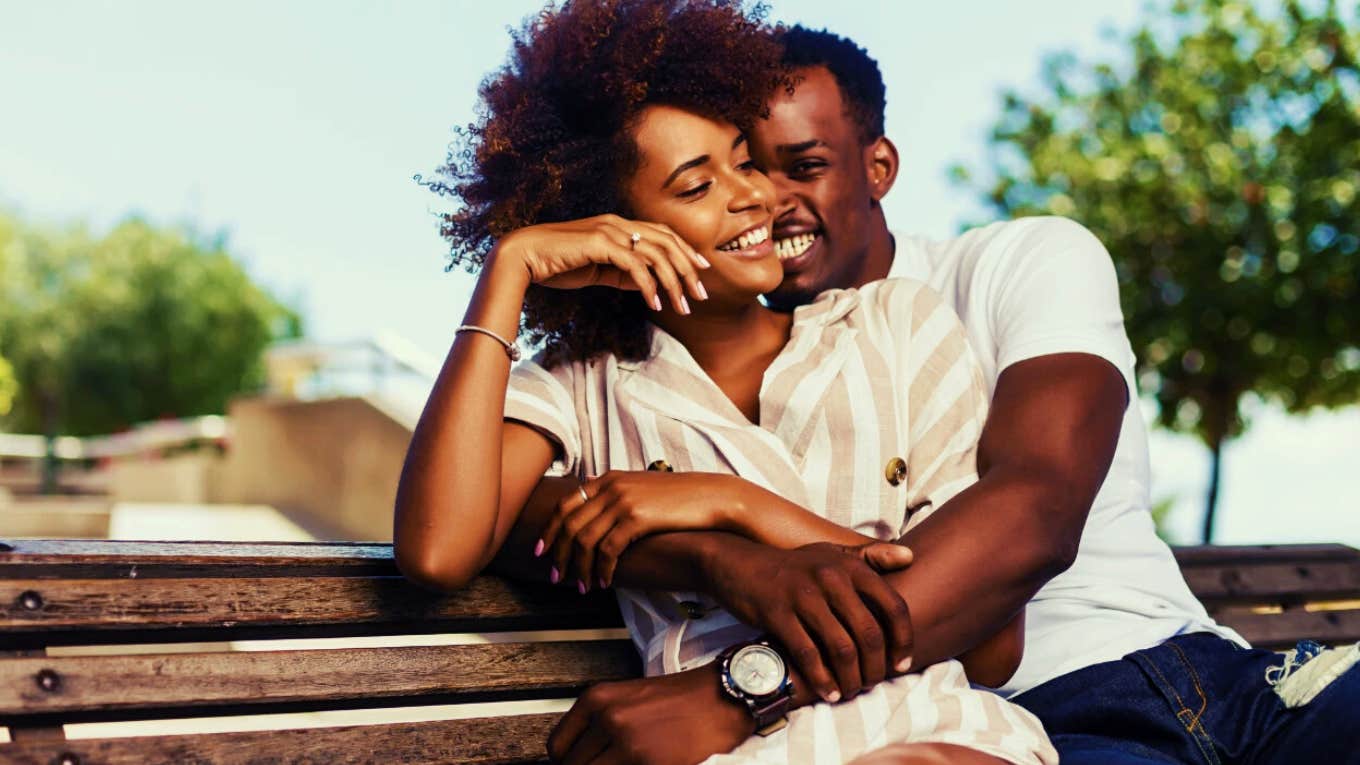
[[1039, 286]]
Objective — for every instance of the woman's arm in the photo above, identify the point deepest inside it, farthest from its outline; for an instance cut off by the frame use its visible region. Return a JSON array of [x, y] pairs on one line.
[[454, 503], [468, 472]]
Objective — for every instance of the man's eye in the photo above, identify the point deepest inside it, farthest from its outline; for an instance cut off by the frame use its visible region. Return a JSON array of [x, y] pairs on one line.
[[747, 166], [806, 166], [696, 191]]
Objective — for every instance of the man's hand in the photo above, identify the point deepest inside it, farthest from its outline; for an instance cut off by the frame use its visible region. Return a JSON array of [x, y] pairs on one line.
[[826, 604], [678, 719]]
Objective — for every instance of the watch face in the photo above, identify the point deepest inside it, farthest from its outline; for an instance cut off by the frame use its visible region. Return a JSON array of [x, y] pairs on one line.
[[757, 670]]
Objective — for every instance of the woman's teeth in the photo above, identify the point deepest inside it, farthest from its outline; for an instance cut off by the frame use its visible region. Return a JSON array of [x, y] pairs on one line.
[[794, 245], [749, 239]]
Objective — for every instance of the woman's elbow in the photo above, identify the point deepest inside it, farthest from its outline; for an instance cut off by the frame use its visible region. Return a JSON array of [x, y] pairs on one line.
[[431, 571]]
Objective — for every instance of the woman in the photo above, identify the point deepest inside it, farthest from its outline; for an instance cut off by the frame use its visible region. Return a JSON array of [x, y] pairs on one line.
[[612, 209]]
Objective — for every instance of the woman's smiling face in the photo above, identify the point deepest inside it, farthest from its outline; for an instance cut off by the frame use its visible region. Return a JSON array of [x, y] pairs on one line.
[[696, 176]]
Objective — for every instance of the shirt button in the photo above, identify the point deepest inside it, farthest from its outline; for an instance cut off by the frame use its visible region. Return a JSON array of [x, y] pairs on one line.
[[895, 471], [691, 610], [661, 466]]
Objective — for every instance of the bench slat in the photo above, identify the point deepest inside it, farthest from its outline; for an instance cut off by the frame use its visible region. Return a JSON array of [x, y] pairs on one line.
[[479, 741], [1275, 583], [1254, 554], [116, 559], [156, 685], [67, 611], [1283, 630]]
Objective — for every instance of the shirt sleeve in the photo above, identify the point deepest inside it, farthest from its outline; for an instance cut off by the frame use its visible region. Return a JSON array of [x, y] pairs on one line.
[[543, 399], [1055, 291], [946, 399]]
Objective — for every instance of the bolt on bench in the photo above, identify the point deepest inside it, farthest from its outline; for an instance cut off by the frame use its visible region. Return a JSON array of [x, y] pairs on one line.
[[56, 593]]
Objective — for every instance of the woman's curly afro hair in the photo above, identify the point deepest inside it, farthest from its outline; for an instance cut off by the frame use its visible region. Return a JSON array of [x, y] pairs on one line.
[[552, 142]]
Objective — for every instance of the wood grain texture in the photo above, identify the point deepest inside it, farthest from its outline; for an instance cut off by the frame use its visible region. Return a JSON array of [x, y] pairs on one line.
[[1283, 630], [114, 559], [1253, 554], [66, 611], [1282, 583], [375, 677], [481, 741]]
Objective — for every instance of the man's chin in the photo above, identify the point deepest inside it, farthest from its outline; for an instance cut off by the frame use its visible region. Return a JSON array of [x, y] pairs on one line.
[[794, 291]]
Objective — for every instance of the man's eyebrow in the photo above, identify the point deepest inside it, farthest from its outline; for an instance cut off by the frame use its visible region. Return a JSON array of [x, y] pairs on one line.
[[690, 165], [798, 148]]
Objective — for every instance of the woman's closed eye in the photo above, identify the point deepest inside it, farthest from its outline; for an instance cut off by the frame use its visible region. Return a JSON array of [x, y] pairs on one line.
[[696, 191]]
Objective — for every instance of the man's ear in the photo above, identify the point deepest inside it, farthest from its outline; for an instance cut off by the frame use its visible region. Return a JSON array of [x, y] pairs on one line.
[[881, 162]]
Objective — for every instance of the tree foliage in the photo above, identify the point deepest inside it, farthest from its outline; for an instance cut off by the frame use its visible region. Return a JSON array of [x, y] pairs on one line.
[[1221, 167], [140, 323]]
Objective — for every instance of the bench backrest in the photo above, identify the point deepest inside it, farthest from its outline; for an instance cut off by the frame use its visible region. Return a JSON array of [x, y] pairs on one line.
[[59, 594]]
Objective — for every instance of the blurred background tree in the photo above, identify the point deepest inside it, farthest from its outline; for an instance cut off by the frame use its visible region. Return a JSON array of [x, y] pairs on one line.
[[1221, 167], [8, 386], [139, 324]]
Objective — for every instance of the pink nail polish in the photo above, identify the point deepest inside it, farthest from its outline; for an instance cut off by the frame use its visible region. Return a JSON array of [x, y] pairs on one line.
[[699, 288], [684, 305], [656, 302], [703, 262], [833, 697], [538, 548], [903, 665], [554, 575], [581, 586], [603, 584]]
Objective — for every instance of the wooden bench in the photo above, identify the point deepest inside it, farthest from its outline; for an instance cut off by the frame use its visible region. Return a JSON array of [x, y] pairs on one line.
[[55, 595]]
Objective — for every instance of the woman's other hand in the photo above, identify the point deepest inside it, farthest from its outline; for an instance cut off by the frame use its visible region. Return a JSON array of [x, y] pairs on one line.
[[609, 251], [591, 527]]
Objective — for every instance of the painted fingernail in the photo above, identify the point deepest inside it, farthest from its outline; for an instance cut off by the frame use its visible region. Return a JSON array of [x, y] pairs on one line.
[[699, 288], [833, 697], [903, 665], [554, 575], [703, 262], [603, 584], [538, 548], [684, 305], [581, 586], [656, 302]]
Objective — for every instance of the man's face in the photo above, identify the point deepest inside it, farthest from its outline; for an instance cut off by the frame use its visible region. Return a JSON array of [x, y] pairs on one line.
[[810, 147]]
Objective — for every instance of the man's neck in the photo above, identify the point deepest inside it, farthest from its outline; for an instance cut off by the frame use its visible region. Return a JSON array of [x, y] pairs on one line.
[[879, 258]]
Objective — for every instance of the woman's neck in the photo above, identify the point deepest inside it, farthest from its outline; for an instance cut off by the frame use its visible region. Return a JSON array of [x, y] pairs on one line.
[[733, 345]]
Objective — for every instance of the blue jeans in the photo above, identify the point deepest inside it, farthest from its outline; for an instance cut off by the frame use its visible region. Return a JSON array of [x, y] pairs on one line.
[[1194, 699]]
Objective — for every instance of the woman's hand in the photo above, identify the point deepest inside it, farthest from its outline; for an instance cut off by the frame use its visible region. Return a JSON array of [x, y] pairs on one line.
[[591, 527], [603, 251]]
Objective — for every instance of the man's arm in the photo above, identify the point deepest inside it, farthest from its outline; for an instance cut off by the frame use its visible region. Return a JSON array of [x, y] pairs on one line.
[[1044, 452]]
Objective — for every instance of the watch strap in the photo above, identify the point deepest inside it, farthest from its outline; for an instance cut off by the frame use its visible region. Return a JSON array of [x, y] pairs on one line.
[[773, 715]]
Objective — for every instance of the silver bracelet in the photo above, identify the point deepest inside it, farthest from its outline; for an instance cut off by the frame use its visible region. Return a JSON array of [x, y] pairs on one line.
[[511, 349]]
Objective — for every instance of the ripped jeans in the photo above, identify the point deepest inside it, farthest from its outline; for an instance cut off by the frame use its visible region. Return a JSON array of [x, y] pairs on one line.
[[1204, 700]]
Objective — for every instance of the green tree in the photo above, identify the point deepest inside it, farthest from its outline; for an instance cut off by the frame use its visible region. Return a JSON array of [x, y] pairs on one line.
[[8, 386], [1221, 167], [141, 323]]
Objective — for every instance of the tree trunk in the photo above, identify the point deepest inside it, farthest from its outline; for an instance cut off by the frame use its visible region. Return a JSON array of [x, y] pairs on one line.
[[1211, 502]]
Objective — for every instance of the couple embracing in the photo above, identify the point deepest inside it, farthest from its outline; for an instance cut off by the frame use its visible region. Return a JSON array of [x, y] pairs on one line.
[[862, 496]]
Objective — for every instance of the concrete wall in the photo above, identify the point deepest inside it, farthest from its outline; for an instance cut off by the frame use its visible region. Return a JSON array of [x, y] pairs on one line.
[[331, 465]]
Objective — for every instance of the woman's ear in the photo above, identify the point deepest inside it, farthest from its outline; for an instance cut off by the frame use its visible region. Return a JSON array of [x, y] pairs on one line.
[[881, 162]]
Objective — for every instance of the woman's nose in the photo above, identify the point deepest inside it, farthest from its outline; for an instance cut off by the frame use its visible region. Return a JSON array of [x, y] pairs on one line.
[[754, 190]]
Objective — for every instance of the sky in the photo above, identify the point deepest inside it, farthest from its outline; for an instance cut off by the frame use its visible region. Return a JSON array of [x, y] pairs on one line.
[[297, 128]]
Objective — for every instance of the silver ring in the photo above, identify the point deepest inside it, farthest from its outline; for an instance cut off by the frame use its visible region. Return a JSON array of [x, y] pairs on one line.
[[584, 496], [633, 240]]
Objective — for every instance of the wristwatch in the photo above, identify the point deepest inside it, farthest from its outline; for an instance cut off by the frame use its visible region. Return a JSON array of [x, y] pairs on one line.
[[754, 674]]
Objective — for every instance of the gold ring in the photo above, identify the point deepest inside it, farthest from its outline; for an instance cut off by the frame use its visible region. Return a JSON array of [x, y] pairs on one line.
[[633, 240], [584, 496]]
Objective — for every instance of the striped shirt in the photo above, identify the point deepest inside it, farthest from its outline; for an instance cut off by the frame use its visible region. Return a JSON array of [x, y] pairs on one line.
[[871, 381]]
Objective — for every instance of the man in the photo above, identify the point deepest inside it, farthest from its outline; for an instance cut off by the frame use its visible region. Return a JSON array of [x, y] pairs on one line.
[[1121, 663]]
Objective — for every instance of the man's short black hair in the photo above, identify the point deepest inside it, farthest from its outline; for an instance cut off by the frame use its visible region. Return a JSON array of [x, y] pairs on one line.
[[855, 71]]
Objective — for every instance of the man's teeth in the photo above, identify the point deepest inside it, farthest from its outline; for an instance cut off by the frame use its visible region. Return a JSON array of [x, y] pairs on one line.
[[793, 246], [749, 239]]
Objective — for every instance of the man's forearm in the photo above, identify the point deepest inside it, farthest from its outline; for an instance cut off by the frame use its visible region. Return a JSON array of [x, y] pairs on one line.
[[977, 562]]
